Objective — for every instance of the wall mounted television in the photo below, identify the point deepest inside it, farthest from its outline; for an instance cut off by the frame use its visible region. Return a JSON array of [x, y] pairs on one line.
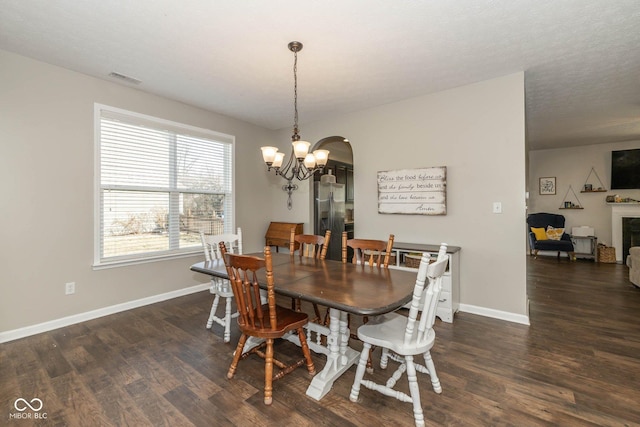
[[625, 169]]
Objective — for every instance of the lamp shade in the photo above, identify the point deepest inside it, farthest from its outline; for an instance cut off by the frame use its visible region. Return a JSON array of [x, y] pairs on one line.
[[301, 148], [310, 161], [268, 154], [322, 156], [278, 160]]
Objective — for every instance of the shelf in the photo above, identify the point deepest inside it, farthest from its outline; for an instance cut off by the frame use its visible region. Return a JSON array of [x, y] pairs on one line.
[[567, 204], [588, 188]]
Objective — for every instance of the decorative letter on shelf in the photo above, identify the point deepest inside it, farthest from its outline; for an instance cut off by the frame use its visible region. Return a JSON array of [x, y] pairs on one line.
[[413, 191]]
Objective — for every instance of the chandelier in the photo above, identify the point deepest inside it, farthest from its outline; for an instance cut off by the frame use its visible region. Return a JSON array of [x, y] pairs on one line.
[[301, 164]]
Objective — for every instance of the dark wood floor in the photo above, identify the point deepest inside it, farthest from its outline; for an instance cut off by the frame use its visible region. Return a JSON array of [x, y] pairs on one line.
[[578, 364]]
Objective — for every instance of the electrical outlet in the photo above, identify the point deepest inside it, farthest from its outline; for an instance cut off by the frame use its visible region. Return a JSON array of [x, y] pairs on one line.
[[70, 288]]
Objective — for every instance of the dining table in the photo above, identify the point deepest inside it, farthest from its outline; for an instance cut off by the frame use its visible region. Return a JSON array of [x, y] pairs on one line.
[[344, 288]]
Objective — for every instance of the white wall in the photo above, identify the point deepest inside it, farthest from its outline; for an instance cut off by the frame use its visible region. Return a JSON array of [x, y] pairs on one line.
[[46, 184], [571, 166], [46, 180], [477, 132]]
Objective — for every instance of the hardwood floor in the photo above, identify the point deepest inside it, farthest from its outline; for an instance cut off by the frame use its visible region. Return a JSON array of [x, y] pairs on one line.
[[578, 364]]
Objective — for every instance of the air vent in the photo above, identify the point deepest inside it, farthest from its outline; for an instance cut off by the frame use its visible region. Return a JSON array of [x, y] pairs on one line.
[[125, 78]]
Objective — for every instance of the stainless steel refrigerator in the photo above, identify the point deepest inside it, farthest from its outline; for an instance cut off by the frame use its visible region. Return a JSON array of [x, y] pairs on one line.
[[329, 214]]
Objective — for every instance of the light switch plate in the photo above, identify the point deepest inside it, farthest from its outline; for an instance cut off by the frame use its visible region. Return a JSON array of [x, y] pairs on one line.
[[497, 207]]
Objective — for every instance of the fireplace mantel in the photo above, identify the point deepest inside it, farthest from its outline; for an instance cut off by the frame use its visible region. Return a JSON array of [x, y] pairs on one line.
[[619, 211]]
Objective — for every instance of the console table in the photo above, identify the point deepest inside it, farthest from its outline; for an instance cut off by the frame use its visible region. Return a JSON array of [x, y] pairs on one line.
[[449, 302]]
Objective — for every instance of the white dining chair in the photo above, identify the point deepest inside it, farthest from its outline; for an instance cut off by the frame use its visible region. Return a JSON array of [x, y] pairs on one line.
[[221, 288], [402, 338]]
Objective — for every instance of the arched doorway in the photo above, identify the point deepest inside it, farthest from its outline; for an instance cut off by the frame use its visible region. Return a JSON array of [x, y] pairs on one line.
[[333, 205]]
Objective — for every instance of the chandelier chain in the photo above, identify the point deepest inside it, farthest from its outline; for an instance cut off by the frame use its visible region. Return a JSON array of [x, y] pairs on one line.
[[296, 137]]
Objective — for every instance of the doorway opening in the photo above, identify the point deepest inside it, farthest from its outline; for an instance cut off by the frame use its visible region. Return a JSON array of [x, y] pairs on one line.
[[333, 202]]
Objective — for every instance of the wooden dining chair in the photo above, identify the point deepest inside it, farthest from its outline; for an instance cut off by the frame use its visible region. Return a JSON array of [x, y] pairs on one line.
[[310, 246], [402, 338], [267, 321], [220, 288], [367, 251]]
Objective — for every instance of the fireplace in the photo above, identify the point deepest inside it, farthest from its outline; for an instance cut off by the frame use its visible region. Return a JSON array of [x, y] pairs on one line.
[[630, 234], [621, 214]]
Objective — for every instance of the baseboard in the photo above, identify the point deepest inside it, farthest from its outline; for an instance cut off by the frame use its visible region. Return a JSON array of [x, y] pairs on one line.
[[496, 314], [101, 312], [94, 314]]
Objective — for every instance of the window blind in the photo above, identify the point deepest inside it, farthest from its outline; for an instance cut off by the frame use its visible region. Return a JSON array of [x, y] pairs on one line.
[[160, 184]]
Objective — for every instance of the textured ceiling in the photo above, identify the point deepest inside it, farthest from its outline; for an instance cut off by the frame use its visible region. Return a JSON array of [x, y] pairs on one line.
[[580, 57]]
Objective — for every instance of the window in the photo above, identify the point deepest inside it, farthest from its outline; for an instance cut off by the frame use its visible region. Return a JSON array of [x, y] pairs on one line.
[[158, 185]]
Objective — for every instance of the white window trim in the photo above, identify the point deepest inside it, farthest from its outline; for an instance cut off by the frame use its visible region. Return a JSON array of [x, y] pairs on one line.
[[99, 264]]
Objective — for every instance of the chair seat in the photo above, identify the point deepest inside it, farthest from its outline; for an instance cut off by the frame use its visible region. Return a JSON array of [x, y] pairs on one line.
[[387, 331], [287, 320], [554, 245], [222, 293]]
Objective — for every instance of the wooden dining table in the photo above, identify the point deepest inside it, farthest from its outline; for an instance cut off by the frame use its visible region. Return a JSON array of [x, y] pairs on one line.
[[344, 288]]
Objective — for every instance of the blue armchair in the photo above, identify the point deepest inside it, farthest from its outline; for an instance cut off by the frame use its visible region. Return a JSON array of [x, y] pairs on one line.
[[543, 220]]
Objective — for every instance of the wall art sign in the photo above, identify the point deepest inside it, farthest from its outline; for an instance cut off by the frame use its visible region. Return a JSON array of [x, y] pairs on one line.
[[413, 191], [548, 185]]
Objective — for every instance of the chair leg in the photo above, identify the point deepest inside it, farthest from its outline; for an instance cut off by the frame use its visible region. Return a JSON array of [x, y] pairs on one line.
[[305, 350], [227, 320], [362, 365], [354, 336], [431, 367], [268, 373], [325, 322], [414, 389], [370, 362], [316, 310], [384, 358], [236, 356], [535, 254], [212, 314]]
